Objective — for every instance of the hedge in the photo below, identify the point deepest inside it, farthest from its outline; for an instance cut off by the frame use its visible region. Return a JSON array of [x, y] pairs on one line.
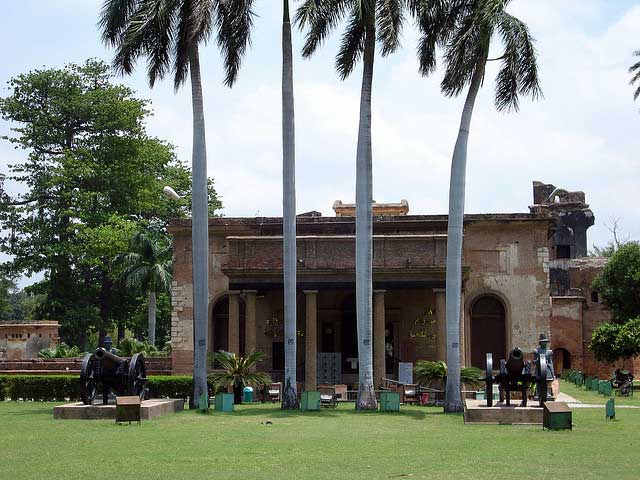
[[62, 387]]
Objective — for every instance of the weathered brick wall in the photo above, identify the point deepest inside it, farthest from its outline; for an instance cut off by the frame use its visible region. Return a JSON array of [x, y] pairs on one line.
[[510, 261]]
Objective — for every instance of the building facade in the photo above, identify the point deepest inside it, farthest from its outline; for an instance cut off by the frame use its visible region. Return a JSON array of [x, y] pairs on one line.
[[506, 285], [21, 340]]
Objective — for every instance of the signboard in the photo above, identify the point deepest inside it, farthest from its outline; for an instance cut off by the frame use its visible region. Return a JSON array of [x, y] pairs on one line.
[[405, 372]]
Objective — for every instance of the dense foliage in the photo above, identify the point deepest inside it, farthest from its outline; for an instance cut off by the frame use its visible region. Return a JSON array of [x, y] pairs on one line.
[[92, 179], [619, 283], [60, 351], [62, 387], [619, 288]]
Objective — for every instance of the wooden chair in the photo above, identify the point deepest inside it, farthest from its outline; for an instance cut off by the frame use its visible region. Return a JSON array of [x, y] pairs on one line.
[[328, 396], [274, 392], [409, 393], [341, 392]]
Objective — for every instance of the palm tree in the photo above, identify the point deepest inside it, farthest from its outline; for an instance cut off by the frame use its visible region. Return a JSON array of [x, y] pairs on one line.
[[168, 34], [635, 70], [366, 21], [290, 397], [148, 267], [465, 28], [238, 372]]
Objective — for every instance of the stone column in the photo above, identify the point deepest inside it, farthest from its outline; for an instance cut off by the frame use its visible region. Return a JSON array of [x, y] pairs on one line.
[[250, 322], [441, 323], [234, 322], [311, 341], [379, 353]]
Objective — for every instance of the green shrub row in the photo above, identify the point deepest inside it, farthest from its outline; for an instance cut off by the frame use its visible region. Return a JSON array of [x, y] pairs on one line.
[[62, 387]]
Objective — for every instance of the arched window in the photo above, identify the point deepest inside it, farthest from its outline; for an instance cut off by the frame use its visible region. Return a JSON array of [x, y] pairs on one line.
[[488, 330]]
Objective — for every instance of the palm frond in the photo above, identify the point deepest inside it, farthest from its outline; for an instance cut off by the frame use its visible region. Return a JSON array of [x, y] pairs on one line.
[[390, 19], [635, 68], [519, 72], [321, 18], [234, 21], [351, 45]]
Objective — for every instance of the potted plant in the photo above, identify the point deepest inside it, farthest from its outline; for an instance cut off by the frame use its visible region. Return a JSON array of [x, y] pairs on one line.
[[238, 372], [434, 375]]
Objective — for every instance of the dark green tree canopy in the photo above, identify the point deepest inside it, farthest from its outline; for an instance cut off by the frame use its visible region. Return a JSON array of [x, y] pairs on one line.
[[619, 283], [91, 178]]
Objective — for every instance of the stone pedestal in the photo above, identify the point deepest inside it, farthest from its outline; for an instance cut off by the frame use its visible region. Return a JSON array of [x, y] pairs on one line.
[[149, 410]]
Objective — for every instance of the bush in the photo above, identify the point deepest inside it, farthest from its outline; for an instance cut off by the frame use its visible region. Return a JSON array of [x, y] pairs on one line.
[[40, 387], [612, 341], [62, 387], [60, 351], [3, 386]]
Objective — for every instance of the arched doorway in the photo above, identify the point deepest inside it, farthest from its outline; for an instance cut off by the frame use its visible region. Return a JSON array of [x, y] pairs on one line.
[[488, 331], [561, 361]]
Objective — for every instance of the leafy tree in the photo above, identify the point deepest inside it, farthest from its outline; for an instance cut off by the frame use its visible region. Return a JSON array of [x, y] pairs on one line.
[[147, 267], [168, 35], [619, 283], [635, 70], [614, 341], [619, 287], [7, 287], [614, 244], [465, 29], [92, 178], [366, 21]]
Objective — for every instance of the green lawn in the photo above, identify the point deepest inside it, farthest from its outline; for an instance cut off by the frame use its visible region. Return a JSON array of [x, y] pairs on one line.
[[593, 397], [419, 442]]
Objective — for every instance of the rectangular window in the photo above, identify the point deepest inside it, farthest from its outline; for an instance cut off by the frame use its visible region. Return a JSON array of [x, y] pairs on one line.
[[563, 251]]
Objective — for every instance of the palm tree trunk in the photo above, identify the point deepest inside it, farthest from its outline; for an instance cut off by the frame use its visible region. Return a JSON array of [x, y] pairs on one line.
[[453, 401], [290, 397], [200, 238], [364, 231], [151, 317]]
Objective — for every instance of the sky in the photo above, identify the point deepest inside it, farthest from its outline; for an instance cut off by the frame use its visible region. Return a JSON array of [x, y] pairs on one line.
[[583, 135]]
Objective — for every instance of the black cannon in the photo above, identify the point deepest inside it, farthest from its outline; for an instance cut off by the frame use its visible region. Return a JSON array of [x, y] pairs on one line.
[[123, 376], [515, 375]]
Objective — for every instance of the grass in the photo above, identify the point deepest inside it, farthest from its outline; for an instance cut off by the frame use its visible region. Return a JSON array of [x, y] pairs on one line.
[[418, 442], [593, 397]]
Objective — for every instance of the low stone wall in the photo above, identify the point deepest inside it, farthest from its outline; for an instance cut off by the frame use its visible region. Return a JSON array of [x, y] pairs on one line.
[[57, 366]]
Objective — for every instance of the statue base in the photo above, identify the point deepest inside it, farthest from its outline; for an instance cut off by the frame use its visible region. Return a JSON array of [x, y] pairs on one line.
[[149, 410], [476, 411]]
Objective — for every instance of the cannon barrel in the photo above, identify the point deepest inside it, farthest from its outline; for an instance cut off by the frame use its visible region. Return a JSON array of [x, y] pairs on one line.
[[515, 362], [108, 359]]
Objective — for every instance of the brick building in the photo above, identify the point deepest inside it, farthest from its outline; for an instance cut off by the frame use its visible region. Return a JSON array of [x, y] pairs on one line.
[[506, 287], [21, 340]]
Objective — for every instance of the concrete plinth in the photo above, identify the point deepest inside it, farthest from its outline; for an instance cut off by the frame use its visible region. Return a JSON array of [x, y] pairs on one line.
[[149, 410], [476, 411]]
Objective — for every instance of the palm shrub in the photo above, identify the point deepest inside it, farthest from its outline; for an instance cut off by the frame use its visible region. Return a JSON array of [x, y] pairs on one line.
[[238, 372], [147, 267], [60, 351], [431, 374]]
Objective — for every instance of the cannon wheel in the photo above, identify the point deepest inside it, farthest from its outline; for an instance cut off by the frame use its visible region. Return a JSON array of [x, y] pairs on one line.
[[542, 380], [138, 376], [488, 392], [88, 381]]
